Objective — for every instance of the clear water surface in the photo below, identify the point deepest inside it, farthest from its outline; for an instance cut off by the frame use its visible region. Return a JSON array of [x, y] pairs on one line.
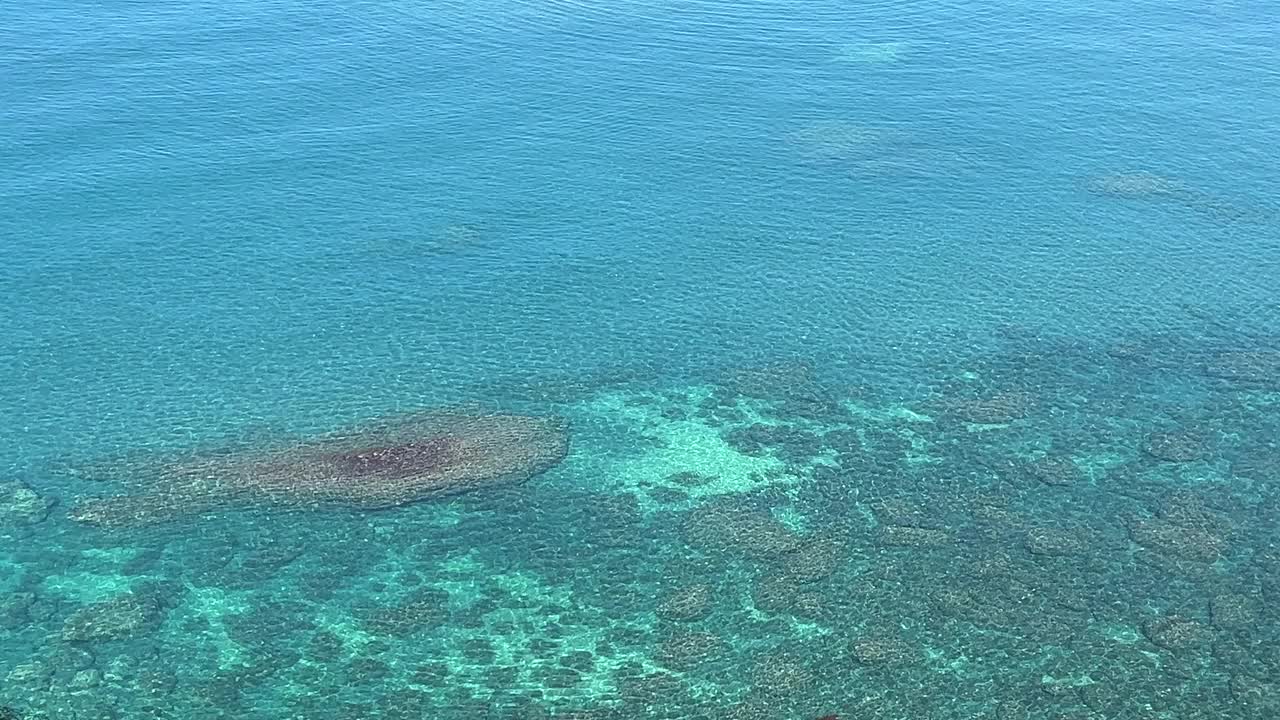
[[914, 359]]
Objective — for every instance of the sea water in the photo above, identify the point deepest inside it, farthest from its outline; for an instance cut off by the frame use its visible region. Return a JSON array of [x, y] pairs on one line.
[[917, 359]]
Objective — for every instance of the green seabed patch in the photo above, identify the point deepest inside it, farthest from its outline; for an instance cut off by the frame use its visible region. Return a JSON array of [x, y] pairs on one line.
[[444, 514], [799, 628], [95, 576], [791, 517], [636, 442], [99, 580], [899, 419], [88, 587], [660, 447], [213, 605]]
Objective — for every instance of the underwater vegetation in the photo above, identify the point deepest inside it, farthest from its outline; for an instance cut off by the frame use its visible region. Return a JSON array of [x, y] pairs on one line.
[[394, 462], [1145, 186], [1060, 528]]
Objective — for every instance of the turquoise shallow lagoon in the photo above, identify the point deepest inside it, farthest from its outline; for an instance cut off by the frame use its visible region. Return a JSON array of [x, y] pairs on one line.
[[626, 359]]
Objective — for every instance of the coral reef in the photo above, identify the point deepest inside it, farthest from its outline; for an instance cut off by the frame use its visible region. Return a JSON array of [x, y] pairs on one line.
[[793, 388], [788, 441], [1066, 529]]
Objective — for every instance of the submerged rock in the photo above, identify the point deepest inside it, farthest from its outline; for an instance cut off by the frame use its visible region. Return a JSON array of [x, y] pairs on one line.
[[116, 619], [1058, 542], [14, 609], [33, 672], [734, 527], [684, 650], [424, 609], [1137, 185], [1055, 471], [996, 409], [780, 675], [1233, 611], [1250, 368], [1177, 634], [689, 603], [777, 593], [20, 505], [1177, 541], [1178, 446], [917, 537], [880, 647]]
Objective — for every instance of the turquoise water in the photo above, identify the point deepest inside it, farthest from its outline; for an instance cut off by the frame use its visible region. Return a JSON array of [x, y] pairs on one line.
[[917, 359]]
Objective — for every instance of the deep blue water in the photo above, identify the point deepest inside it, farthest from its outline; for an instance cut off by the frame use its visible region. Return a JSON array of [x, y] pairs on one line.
[[223, 219], [213, 210]]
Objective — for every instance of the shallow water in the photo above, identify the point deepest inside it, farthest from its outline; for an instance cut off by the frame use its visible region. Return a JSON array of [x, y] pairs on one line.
[[918, 360]]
